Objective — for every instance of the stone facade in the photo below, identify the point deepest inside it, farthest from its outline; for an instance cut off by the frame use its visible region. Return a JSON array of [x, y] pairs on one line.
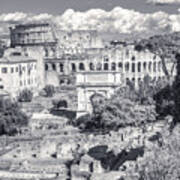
[[89, 83], [17, 72], [31, 34]]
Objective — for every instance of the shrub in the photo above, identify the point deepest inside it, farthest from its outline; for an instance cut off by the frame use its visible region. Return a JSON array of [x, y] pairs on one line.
[[25, 95], [59, 104], [49, 90]]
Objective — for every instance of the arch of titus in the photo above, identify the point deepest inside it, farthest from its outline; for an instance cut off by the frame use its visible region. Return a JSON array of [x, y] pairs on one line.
[[89, 83]]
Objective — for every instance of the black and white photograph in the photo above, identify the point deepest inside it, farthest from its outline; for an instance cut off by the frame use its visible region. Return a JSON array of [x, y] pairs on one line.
[[89, 89]]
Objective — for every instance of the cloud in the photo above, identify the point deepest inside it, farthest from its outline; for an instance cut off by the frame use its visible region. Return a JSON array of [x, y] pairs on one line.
[[18, 16], [118, 20], [164, 1]]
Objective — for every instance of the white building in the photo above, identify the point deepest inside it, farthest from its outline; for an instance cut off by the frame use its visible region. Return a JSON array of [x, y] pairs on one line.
[[89, 83], [17, 72]]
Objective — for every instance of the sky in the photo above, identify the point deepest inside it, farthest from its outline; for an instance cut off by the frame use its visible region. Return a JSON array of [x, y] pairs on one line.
[[107, 16], [59, 6]]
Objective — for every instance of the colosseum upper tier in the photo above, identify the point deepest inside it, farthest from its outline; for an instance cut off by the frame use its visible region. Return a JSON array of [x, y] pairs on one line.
[[65, 52]]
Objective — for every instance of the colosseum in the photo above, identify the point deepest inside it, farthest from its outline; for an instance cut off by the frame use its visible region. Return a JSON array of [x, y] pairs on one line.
[[62, 53]]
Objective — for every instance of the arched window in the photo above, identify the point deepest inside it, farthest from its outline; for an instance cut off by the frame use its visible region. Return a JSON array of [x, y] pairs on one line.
[[91, 66], [98, 66], [154, 66], [139, 67], [81, 67], [144, 66], [127, 67], [120, 65], [106, 66], [133, 67], [54, 67], [61, 67], [150, 66], [113, 66], [73, 67], [46, 67]]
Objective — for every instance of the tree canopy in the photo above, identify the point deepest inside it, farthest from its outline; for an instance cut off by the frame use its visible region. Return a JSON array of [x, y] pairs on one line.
[[165, 46], [11, 117]]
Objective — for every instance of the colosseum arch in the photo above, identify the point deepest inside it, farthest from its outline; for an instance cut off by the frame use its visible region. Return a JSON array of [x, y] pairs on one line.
[[133, 67], [73, 67], [81, 67], [46, 67], [53, 67], [127, 67], [120, 66], [91, 66], [61, 66]]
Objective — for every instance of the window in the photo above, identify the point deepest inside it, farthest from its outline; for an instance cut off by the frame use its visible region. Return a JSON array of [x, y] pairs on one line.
[[139, 67], [73, 67], [133, 58], [81, 67], [61, 67], [113, 66], [46, 67], [144, 66], [120, 65], [106, 67], [133, 67], [54, 67], [16, 54], [1, 87], [4, 70], [12, 70]]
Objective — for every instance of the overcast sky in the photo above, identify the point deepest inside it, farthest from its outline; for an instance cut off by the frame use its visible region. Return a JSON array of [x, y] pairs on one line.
[[59, 6], [107, 16]]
